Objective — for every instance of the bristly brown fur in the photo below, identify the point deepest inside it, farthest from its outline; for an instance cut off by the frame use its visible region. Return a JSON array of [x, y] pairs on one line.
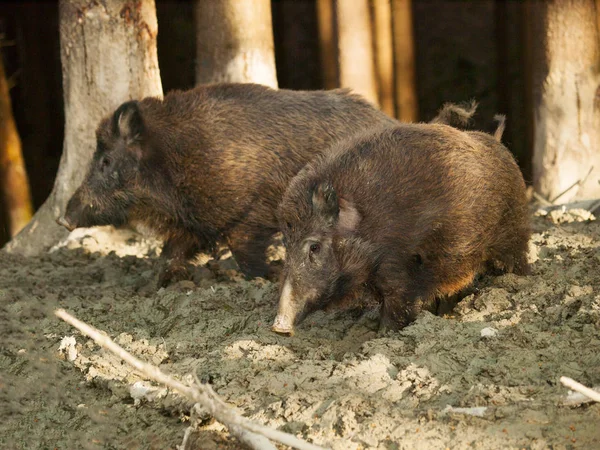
[[501, 119], [211, 164], [455, 115], [431, 207]]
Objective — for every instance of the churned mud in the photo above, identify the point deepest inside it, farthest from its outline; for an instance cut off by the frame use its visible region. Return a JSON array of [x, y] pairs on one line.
[[484, 376]]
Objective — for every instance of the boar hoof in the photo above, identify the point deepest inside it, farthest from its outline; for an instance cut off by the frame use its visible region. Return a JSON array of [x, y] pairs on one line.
[[387, 324], [172, 275], [274, 273]]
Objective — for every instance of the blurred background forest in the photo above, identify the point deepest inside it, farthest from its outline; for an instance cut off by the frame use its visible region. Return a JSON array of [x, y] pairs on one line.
[[463, 50]]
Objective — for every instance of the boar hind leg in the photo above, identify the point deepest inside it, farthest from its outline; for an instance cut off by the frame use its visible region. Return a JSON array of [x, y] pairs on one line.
[[248, 245], [511, 255], [519, 255], [176, 252]]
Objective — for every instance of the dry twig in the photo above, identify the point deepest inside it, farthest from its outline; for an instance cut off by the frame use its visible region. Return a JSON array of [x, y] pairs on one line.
[[578, 387], [577, 183], [252, 434], [541, 199]]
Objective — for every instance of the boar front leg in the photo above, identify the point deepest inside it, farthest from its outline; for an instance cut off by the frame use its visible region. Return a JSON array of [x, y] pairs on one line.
[[396, 312], [176, 252], [248, 245], [402, 302]]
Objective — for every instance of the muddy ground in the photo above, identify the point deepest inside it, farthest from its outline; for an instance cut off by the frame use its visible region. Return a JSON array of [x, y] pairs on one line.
[[337, 382]]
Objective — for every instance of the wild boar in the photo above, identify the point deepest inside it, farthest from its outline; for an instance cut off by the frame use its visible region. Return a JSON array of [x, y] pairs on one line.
[[409, 214], [210, 165]]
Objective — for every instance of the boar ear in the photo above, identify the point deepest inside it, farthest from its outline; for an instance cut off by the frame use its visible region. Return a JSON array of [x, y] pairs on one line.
[[325, 202], [127, 122], [349, 217]]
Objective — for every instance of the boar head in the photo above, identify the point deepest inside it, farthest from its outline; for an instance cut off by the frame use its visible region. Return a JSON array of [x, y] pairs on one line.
[[108, 189], [326, 259]]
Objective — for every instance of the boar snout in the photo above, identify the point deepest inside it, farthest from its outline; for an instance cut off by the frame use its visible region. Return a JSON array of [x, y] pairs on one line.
[[283, 325], [62, 221], [72, 216], [287, 313]]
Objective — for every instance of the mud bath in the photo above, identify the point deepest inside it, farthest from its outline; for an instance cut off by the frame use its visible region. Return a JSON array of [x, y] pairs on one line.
[[485, 376]]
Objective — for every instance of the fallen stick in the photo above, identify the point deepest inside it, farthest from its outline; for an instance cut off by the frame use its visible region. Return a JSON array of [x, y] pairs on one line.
[[542, 200], [252, 434], [577, 183], [578, 387]]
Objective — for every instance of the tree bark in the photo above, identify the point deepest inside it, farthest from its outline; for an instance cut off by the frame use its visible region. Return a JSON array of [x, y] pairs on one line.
[[566, 99], [328, 43], [384, 54], [355, 42], [108, 55], [13, 176], [404, 55], [296, 36], [527, 117], [235, 42]]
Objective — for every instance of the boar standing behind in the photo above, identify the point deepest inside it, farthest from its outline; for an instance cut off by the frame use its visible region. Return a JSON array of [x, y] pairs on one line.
[[410, 213], [210, 164]]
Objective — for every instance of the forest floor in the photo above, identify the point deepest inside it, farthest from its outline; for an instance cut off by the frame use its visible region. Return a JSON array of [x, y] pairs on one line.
[[336, 382]]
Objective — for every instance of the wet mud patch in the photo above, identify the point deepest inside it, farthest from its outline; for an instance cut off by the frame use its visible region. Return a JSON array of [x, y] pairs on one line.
[[484, 375]]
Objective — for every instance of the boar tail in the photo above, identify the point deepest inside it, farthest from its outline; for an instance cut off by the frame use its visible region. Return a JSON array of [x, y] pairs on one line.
[[455, 115], [501, 119]]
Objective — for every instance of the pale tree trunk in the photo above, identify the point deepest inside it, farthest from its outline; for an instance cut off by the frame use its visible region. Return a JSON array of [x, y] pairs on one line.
[[235, 42], [404, 56], [566, 99], [384, 54], [355, 44], [328, 42], [13, 176], [108, 55]]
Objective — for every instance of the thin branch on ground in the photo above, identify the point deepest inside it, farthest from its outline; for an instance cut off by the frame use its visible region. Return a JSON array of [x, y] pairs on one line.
[[541, 199], [252, 434], [577, 183], [578, 387], [186, 436]]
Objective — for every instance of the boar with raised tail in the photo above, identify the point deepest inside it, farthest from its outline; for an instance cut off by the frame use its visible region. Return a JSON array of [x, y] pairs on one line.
[[210, 165], [410, 213]]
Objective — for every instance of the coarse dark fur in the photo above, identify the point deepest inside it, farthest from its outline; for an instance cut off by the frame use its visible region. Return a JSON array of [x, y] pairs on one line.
[[455, 115], [410, 213], [210, 164], [459, 117]]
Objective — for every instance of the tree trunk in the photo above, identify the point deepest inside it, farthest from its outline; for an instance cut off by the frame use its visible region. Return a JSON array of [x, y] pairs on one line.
[[328, 43], [502, 63], [108, 55], [296, 36], [355, 42], [384, 54], [566, 99], [235, 42], [13, 176], [404, 55], [526, 91]]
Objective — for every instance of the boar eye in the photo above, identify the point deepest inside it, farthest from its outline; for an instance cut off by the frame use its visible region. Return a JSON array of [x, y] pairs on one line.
[[104, 163], [315, 248]]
